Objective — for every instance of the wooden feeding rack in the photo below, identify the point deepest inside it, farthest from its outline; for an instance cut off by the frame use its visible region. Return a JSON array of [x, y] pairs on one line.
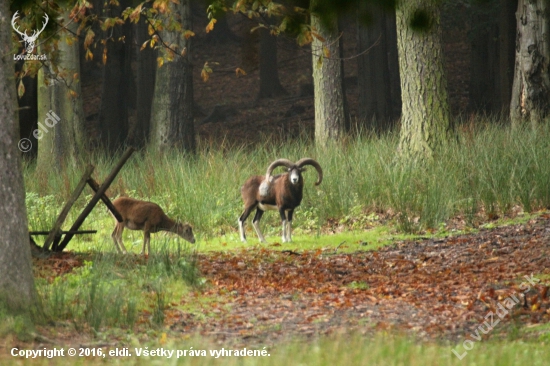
[[58, 239]]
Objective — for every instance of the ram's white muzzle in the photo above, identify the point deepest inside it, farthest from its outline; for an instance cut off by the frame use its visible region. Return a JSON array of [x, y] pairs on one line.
[[294, 176]]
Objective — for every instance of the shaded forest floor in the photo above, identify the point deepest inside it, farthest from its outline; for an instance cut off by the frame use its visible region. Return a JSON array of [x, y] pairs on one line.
[[431, 289]]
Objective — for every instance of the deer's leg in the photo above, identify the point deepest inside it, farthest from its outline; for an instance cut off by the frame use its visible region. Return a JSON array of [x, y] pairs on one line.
[[146, 241], [114, 236], [117, 237]]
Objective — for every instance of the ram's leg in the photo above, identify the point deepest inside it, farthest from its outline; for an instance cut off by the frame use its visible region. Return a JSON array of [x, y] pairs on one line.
[[256, 224], [289, 225], [284, 221], [242, 220], [241, 231]]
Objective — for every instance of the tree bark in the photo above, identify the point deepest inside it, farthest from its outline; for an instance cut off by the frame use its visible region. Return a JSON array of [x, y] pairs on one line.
[[425, 121], [60, 111], [17, 289], [270, 85], [172, 122], [378, 92], [331, 122], [531, 88]]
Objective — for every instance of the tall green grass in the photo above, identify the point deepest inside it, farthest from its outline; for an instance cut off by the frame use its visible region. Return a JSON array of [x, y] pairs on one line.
[[111, 289], [490, 169]]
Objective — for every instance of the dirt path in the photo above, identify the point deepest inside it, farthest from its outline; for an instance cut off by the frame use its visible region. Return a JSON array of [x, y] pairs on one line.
[[433, 288]]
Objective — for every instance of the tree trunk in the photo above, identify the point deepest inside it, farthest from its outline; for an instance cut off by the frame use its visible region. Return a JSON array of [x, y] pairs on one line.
[[531, 87], [328, 82], [118, 84], [17, 290], [60, 112], [145, 85], [425, 121], [172, 122], [377, 93], [270, 85]]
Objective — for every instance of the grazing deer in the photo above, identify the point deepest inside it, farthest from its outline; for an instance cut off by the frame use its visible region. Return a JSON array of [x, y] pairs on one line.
[[146, 216]]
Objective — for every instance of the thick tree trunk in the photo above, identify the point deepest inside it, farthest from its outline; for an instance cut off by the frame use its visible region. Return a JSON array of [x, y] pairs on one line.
[[425, 121], [118, 84], [145, 83], [328, 83], [377, 93], [531, 88], [60, 112], [270, 85], [172, 122], [16, 280]]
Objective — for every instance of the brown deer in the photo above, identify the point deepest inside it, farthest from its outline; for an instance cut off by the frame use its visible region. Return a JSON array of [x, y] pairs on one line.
[[146, 216]]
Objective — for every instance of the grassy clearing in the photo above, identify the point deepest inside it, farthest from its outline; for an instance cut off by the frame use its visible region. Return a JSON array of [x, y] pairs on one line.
[[492, 171]]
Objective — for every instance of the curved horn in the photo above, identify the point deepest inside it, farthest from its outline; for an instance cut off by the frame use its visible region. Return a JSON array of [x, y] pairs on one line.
[[315, 164], [275, 164]]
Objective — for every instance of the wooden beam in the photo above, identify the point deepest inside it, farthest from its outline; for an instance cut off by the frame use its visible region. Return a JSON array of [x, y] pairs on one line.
[[65, 211], [95, 187], [97, 196]]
